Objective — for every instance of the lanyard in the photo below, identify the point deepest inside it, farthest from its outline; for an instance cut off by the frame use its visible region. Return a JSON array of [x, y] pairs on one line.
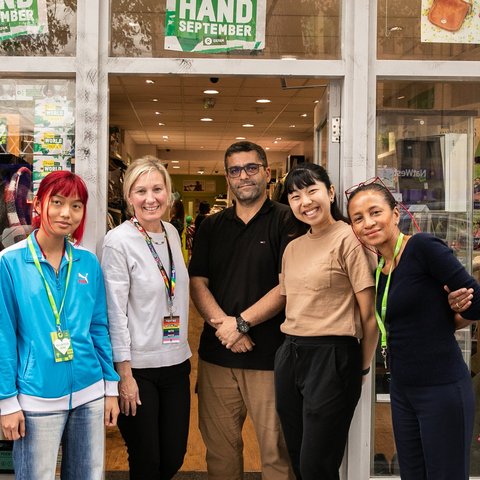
[[169, 281], [53, 305], [381, 317]]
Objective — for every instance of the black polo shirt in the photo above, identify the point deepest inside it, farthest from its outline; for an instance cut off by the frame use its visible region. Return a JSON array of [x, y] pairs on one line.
[[242, 262]]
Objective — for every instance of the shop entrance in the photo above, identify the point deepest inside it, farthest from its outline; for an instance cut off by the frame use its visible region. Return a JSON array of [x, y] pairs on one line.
[[189, 122]]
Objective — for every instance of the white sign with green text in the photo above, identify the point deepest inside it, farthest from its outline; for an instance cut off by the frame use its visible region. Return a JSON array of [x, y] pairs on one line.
[[22, 17], [214, 26]]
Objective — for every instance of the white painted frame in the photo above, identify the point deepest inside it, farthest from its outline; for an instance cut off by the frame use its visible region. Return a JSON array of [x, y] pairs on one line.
[[356, 72]]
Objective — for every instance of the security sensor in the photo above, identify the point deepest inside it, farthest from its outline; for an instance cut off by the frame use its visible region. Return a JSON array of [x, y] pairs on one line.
[[214, 79]]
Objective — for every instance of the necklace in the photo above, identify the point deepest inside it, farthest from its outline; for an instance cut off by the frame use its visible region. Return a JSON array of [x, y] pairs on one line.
[[160, 240]]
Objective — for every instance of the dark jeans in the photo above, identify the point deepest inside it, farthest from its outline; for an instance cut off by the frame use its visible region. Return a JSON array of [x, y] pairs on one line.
[[156, 437], [318, 381], [433, 427]]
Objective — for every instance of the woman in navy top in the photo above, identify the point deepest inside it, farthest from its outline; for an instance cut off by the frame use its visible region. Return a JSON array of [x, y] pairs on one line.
[[431, 392]]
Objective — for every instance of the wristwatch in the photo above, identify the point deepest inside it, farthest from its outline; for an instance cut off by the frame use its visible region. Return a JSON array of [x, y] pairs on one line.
[[242, 325]]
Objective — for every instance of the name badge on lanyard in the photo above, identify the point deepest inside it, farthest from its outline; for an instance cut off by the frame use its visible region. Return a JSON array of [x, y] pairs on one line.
[[61, 341], [171, 323], [380, 317]]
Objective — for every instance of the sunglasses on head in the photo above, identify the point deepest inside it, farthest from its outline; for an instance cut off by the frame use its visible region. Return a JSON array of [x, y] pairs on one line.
[[370, 181]]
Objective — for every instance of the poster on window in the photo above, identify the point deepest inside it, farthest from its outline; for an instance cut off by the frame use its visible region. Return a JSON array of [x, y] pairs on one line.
[[51, 112], [450, 21], [215, 26], [45, 164], [22, 17], [51, 142]]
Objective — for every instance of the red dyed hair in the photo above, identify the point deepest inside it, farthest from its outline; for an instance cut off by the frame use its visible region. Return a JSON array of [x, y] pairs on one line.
[[67, 184]]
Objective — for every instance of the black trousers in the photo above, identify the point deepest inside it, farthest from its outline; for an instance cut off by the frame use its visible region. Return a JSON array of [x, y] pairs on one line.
[[318, 381], [156, 437], [433, 428]]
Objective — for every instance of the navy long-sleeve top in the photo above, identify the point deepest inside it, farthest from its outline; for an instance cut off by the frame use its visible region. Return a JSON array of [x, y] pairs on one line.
[[421, 342]]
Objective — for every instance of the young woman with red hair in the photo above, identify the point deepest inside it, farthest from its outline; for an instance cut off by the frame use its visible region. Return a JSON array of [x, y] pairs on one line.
[[57, 380]]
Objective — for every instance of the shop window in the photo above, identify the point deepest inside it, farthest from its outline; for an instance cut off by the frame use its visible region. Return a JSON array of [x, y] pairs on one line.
[[299, 30], [38, 27], [414, 29], [427, 147], [37, 136]]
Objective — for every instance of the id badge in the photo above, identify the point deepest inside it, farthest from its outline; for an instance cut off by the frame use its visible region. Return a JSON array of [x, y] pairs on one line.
[[62, 346], [171, 329]]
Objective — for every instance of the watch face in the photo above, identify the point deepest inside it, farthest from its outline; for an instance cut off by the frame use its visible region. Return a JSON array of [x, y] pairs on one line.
[[243, 328], [242, 325]]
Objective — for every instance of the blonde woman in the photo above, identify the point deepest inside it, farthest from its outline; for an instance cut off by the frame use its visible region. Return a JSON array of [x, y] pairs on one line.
[[147, 295]]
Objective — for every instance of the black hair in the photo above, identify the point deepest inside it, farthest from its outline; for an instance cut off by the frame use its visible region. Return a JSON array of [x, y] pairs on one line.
[[246, 147], [308, 174], [203, 207], [375, 187], [178, 210]]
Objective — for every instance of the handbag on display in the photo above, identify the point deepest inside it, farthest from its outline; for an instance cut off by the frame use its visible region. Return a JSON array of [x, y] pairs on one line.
[[449, 14]]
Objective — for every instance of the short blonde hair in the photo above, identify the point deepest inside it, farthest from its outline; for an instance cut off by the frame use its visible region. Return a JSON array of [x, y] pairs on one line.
[[140, 166]]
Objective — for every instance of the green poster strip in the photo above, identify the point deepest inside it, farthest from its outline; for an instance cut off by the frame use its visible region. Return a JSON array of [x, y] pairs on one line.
[[215, 26], [22, 17]]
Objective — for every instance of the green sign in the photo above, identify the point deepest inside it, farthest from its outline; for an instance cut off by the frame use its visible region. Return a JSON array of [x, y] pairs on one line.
[[214, 26], [22, 17]]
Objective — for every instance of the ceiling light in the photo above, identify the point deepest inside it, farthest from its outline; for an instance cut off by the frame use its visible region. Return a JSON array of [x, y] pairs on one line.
[[165, 136], [289, 57], [267, 148], [248, 125], [278, 138], [158, 113], [240, 138], [176, 166], [291, 126], [210, 92], [150, 82], [303, 114], [154, 99], [175, 161], [263, 100], [201, 170], [161, 124], [275, 141], [401, 97], [206, 119]]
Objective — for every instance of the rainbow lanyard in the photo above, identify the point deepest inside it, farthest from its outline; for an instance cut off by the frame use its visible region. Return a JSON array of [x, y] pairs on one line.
[[53, 305], [169, 282], [381, 317]]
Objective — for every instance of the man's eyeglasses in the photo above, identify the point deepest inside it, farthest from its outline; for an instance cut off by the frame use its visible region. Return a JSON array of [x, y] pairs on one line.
[[250, 169]]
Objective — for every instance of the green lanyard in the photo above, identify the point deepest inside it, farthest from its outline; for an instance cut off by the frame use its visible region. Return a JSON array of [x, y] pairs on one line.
[[55, 311], [381, 317]]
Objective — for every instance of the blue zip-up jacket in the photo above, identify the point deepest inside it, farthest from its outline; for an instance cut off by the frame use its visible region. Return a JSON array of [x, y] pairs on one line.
[[30, 379]]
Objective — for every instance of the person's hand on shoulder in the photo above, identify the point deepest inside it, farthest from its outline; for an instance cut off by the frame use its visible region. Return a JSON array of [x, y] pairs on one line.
[[459, 300]]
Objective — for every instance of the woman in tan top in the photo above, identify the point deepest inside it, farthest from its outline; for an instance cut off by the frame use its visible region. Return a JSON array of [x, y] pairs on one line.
[[330, 328]]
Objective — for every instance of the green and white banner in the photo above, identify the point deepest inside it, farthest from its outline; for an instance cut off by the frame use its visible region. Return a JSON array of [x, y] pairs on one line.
[[215, 26], [22, 17]]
